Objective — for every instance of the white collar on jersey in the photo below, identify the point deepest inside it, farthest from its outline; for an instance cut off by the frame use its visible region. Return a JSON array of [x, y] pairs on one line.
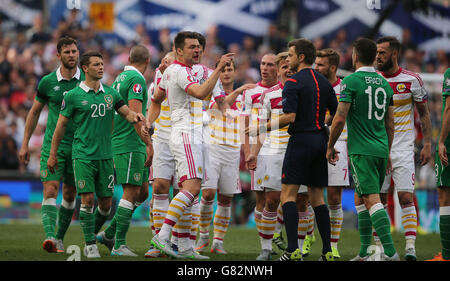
[[60, 77], [130, 67], [366, 69], [87, 89]]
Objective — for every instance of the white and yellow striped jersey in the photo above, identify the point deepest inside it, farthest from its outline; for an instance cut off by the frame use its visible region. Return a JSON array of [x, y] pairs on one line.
[[252, 105], [408, 89], [162, 124], [271, 109], [223, 132], [202, 73], [225, 135]]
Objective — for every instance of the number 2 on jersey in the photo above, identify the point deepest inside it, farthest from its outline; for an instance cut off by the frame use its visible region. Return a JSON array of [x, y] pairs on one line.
[[378, 106]]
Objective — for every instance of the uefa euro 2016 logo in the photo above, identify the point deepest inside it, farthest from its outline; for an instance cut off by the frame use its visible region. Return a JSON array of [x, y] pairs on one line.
[[373, 4]]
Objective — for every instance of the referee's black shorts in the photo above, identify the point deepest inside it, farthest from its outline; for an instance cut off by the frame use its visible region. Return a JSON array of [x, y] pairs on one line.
[[305, 160]]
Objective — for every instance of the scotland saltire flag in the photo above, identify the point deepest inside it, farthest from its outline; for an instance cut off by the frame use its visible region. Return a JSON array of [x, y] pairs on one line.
[[234, 18], [324, 18]]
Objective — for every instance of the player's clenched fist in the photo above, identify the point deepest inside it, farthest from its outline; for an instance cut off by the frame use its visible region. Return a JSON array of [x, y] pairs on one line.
[[24, 155], [332, 156], [138, 118], [251, 162], [52, 163]]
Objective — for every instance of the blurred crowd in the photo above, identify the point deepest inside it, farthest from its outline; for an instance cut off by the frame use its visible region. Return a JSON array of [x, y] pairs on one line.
[[27, 55]]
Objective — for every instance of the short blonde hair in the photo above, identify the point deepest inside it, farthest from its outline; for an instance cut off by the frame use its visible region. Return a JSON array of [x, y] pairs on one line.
[[280, 57], [332, 55]]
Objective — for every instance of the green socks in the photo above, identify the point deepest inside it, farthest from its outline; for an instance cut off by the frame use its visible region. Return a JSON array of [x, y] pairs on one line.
[[87, 222], [100, 218], [365, 229], [382, 225], [64, 218], [49, 215], [444, 226], [123, 219]]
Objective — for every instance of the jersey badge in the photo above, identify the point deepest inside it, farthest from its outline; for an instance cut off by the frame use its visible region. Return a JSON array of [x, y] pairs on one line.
[[63, 104], [109, 99], [137, 176], [401, 87], [44, 173], [56, 88], [137, 88], [81, 184]]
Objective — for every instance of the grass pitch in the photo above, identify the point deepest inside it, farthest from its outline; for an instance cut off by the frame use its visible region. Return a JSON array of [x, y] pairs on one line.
[[23, 242]]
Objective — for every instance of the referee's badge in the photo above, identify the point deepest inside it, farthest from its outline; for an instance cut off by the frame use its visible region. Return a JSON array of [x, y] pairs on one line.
[[137, 88]]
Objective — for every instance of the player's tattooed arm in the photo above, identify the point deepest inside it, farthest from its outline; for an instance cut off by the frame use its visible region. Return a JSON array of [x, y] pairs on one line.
[[202, 91], [222, 105], [425, 121], [58, 134]]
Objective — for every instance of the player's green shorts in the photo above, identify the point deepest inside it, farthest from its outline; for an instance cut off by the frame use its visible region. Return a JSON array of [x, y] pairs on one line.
[[130, 168], [368, 173], [94, 176], [442, 172], [65, 168]]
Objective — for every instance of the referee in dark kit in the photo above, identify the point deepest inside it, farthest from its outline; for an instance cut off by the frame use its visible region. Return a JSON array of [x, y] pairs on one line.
[[306, 97]]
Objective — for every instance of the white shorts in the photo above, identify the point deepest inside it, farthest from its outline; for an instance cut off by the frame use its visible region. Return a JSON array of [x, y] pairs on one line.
[[223, 176], [188, 156], [267, 175], [338, 174], [403, 172], [163, 165]]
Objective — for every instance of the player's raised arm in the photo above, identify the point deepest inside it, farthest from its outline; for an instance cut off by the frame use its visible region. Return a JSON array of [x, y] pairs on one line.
[[52, 163], [30, 126], [202, 91]]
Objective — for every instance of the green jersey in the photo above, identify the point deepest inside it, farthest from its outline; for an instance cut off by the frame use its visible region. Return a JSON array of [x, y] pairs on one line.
[[370, 96], [131, 85], [51, 91], [92, 114], [445, 95]]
